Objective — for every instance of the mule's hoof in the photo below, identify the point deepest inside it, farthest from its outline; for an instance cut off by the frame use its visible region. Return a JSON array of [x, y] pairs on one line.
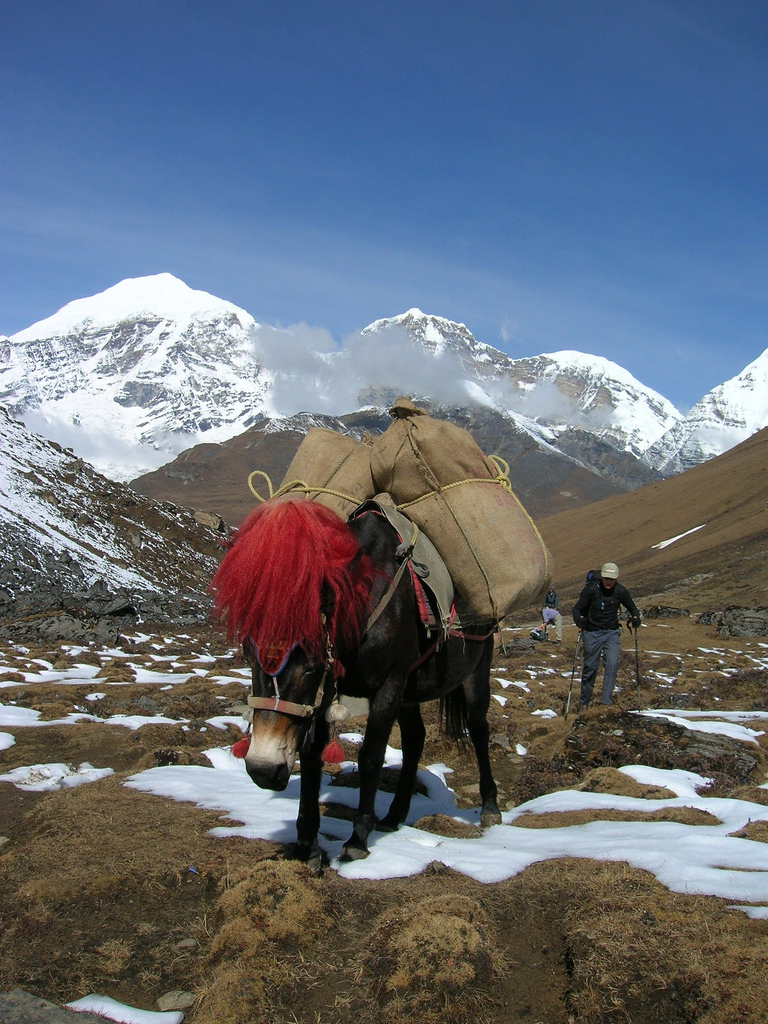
[[488, 818], [350, 853], [316, 864], [311, 855]]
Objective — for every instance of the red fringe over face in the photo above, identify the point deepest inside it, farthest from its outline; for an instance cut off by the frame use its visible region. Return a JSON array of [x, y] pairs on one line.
[[286, 559]]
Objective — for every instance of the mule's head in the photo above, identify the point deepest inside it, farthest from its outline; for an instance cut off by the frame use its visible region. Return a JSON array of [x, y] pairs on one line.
[[287, 708]]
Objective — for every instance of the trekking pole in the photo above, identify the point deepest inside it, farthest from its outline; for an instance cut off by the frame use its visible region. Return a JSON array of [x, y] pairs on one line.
[[637, 670], [573, 673]]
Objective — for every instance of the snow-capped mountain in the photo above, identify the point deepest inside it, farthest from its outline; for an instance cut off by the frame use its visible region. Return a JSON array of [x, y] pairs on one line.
[[550, 394], [131, 377], [724, 417], [570, 390], [136, 373]]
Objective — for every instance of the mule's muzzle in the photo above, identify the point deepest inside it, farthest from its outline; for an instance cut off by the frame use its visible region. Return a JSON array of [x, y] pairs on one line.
[[269, 776]]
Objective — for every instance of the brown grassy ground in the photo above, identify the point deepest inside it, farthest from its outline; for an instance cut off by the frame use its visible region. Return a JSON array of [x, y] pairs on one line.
[[104, 889]]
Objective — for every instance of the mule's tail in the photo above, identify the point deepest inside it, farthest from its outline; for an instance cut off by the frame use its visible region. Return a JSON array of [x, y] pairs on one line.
[[453, 717]]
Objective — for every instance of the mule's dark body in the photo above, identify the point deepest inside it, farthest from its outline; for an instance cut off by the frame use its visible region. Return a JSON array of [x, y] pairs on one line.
[[381, 669]]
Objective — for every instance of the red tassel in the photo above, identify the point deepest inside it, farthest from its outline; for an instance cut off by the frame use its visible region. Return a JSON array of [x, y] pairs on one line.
[[333, 753], [240, 749]]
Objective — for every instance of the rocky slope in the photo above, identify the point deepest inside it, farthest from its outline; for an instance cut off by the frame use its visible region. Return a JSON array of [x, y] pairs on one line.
[[71, 538], [698, 538]]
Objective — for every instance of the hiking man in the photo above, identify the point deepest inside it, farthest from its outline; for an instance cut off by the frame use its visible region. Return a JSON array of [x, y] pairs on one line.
[[596, 613], [551, 613]]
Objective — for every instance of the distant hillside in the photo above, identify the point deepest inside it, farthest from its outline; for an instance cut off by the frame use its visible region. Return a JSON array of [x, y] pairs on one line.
[[214, 476], [719, 512]]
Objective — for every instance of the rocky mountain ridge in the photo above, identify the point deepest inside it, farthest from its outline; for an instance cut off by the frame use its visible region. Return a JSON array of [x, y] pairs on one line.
[[133, 376]]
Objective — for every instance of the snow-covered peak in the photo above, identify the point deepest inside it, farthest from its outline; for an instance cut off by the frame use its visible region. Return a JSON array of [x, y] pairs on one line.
[[569, 389], [411, 318], [149, 365], [727, 415], [743, 399], [160, 295]]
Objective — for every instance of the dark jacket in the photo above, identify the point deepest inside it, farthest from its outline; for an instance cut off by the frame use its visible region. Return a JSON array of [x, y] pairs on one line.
[[598, 608], [550, 600]]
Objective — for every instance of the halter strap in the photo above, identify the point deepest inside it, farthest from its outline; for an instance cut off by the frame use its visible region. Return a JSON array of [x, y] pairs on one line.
[[287, 707]]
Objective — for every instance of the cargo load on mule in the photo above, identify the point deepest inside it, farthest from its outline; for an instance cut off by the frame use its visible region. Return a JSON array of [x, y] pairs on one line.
[[330, 468], [464, 503]]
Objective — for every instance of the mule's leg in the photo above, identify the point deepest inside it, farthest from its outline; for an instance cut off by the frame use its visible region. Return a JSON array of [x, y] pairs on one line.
[[477, 690], [412, 734], [381, 716], [308, 819]]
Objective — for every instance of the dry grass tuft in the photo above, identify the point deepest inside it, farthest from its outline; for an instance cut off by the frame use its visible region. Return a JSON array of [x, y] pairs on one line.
[[234, 996], [270, 920], [442, 825], [11, 677], [430, 952], [114, 956], [756, 830], [116, 671], [752, 794], [283, 901], [52, 710], [611, 780], [562, 819], [639, 953], [539, 776]]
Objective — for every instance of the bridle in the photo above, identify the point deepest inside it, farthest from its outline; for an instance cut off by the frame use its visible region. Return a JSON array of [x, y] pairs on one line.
[[287, 707]]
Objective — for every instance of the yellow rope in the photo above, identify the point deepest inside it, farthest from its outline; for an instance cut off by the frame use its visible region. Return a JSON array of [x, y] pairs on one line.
[[500, 480], [300, 486]]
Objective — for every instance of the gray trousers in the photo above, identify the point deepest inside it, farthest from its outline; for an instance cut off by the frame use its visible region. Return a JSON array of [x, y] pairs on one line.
[[605, 644]]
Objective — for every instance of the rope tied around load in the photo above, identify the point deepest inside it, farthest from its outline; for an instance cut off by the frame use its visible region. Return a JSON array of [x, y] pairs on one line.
[[301, 486]]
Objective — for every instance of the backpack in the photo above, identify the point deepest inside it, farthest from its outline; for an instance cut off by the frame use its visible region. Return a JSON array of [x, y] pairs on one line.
[[593, 576]]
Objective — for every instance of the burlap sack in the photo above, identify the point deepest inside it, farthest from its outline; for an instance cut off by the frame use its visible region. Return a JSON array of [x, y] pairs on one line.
[[493, 550], [330, 460]]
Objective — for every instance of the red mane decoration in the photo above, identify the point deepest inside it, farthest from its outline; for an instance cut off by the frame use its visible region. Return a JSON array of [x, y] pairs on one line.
[[288, 558]]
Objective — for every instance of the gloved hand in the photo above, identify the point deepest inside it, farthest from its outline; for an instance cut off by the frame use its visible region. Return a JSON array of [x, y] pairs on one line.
[[581, 622], [636, 622]]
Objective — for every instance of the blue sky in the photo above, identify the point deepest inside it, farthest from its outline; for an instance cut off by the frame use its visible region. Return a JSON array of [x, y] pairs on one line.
[[553, 173]]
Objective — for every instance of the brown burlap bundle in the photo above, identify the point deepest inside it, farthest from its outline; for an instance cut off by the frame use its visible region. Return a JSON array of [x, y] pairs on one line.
[[463, 502], [326, 459]]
